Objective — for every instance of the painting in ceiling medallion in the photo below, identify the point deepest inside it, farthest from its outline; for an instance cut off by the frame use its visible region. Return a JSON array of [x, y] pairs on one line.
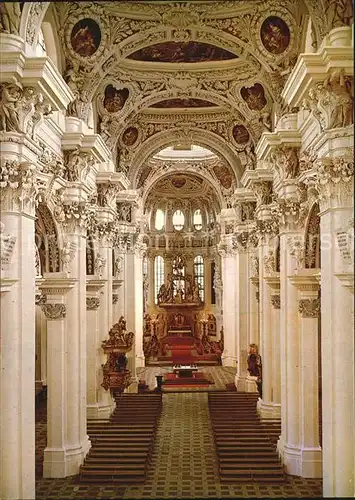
[[182, 52], [254, 96], [183, 103], [240, 134], [178, 182], [275, 35], [130, 136], [115, 99], [85, 37], [224, 175]]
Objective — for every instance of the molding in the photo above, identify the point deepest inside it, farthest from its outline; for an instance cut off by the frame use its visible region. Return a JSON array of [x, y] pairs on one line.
[[92, 303], [273, 281], [276, 301], [347, 280], [6, 284], [56, 286], [94, 284], [306, 283]]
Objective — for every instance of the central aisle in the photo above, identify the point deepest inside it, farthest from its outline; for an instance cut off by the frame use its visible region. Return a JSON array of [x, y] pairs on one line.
[[184, 463]]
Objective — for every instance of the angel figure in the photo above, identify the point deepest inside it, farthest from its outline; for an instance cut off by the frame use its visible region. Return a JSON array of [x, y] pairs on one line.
[[99, 265]]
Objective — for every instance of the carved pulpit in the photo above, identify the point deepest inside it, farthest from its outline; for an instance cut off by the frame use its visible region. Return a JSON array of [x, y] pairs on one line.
[[116, 377]]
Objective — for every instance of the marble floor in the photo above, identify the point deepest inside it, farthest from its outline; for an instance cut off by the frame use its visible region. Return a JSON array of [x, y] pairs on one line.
[[183, 464]]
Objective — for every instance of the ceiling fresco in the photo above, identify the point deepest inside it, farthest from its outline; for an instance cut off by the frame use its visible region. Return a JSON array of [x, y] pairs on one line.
[[183, 103], [182, 52]]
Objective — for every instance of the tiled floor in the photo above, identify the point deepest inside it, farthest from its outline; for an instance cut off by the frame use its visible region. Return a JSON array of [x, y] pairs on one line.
[[183, 464]]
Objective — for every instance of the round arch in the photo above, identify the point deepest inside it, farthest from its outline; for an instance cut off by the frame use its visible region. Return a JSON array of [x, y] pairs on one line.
[[182, 170], [203, 138], [46, 240]]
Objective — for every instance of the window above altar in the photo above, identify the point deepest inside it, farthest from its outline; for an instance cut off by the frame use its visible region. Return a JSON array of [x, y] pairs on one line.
[[178, 220], [159, 219]]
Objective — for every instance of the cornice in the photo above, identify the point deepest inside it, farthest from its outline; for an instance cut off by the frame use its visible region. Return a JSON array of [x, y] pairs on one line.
[[347, 280], [313, 68], [60, 285], [306, 282], [251, 177], [6, 284], [273, 281], [270, 140], [94, 284]]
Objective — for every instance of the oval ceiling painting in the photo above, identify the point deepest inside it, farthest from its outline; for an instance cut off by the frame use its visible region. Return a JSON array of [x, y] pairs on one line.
[[275, 35], [129, 136], [254, 96], [183, 103], [115, 99], [85, 37], [240, 134], [178, 52], [224, 175], [178, 182]]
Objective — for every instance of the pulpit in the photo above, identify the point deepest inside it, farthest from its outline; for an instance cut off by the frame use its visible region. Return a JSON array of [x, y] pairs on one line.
[[116, 377]]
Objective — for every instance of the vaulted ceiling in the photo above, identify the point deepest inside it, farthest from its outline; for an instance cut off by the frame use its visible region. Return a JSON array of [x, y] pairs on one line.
[[192, 72]]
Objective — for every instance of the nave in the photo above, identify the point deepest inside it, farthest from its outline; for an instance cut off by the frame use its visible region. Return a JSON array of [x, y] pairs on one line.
[[184, 463]]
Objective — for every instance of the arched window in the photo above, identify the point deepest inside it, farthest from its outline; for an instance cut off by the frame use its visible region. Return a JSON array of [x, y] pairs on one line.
[[199, 275], [159, 275], [159, 219], [178, 220], [197, 220]]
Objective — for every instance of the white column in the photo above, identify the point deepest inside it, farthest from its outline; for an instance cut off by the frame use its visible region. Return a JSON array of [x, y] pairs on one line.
[[17, 389], [230, 312], [289, 442], [266, 406], [337, 320], [275, 405], [65, 449], [138, 309], [103, 264], [93, 346], [71, 350], [242, 319], [309, 309]]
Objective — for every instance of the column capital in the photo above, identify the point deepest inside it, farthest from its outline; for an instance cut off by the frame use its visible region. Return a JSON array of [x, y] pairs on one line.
[[114, 298], [54, 311], [309, 308], [275, 301], [92, 303]]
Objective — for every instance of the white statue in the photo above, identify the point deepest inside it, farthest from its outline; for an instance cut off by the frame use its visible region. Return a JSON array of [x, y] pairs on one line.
[[67, 254], [99, 265]]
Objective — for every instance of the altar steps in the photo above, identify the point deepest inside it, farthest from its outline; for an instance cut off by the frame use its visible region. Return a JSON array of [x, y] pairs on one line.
[[245, 445], [122, 446]]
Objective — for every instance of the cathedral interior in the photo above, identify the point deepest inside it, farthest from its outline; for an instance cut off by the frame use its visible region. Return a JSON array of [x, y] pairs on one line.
[[180, 176]]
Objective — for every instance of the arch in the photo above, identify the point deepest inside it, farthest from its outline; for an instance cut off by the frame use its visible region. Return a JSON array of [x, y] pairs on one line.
[[46, 240], [312, 239], [200, 137], [182, 169], [31, 20]]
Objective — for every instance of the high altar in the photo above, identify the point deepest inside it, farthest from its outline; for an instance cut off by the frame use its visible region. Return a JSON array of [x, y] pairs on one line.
[[180, 298]]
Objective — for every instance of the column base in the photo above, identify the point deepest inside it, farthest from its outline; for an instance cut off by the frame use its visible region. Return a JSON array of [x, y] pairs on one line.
[[229, 361], [140, 361], [268, 410], [64, 462], [240, 382], [97, 411], [311, 462], [250, 384], [290, 457]]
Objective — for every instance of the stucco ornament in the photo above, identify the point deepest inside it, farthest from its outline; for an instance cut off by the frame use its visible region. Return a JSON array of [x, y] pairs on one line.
[[285, 160], [309, 308], [22, 109], [118, 266], [99, 265], [7, 242], [331, 102], [67, 254], [78, 165], [296, 248], [54, 311], [92, 303], [10, 16], [269, 262]]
